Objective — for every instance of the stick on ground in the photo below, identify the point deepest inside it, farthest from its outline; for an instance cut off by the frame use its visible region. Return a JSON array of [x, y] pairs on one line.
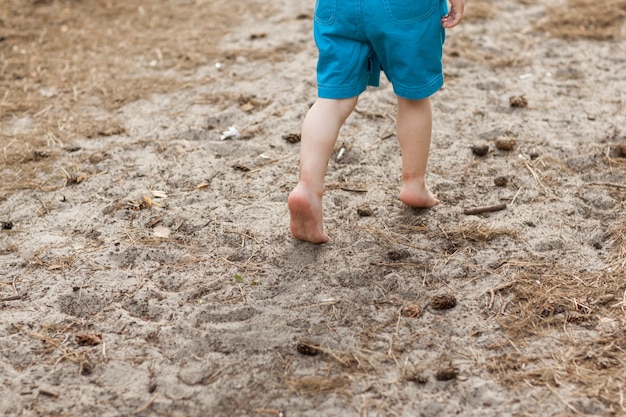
[[487, 209]]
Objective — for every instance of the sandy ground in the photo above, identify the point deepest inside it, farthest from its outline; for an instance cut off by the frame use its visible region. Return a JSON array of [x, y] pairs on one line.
[[146, 266]]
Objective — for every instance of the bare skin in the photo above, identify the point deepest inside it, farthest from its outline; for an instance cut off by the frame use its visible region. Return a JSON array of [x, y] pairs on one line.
[[455, 15], [319, 134], [414, 127]]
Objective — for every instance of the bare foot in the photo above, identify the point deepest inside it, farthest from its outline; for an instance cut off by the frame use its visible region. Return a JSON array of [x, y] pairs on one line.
[[305, 209], [417, 195]]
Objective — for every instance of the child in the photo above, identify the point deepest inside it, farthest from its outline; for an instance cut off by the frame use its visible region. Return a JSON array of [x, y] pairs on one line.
[[355, 39]]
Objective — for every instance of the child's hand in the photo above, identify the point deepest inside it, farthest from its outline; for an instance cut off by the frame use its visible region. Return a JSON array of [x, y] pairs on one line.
[[455, 15]]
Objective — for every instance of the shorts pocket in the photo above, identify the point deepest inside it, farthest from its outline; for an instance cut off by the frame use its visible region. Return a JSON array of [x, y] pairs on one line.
[[402, 12], [325, 11]]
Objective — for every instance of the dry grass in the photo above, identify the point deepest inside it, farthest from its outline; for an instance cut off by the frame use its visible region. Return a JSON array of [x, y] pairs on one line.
[[60, 57], [618, 243], [476, 11], [583, 313], [586, 19], [64, 343], [475, 231]]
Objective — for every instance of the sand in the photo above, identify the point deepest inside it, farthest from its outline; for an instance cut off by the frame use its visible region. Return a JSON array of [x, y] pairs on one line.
[[147, 150]]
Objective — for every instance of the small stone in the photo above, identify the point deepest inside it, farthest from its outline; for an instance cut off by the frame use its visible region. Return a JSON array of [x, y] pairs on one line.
[[500, 181]]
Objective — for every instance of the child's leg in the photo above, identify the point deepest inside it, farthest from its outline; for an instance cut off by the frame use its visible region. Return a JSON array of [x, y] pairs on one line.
[[414, 128], [319, 134]]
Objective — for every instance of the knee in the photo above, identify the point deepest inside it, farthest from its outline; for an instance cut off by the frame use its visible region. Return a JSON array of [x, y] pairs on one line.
[[344, 106], [407, 105]]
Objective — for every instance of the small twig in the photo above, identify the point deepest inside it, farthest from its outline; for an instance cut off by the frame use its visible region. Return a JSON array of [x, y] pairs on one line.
[[48, 393], [487, 209], [516, 194], [42, 112], [14, 287], [243, 294], [43, 204], [492, 296], [11, 298], [67, 174], [390, 351], [492, 293], [39, 307], [536, 177], [146, 405], [504, 306], [396, 264], [353, 190], [608, 184], [322, 304]]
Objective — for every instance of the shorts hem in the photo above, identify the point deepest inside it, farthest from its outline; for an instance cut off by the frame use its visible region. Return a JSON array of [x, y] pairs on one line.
[[337, 93], [412, 93]]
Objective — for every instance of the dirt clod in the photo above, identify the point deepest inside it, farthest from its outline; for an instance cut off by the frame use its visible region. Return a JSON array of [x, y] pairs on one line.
[[518, 102], [500, 181], [241, 167], [446, 374], [292, 137], [398, 254], [308, 348], [480, 150], [73, 180], [364, 210], [111, 129], [443, 302], [418, 378], [89, 339]]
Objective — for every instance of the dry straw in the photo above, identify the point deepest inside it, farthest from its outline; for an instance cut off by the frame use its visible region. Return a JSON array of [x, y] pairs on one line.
[[586, 19], [582, 313], [57, 55]]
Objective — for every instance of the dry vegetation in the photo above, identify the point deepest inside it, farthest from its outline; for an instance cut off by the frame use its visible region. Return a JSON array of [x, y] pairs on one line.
[[63, 52], [66, 58], [586, 19]]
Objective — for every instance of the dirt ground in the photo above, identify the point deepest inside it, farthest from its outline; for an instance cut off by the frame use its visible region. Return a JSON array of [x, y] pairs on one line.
[[146, 268]]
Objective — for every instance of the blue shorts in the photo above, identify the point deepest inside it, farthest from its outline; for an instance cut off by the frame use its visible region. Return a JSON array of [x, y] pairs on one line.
[[358, 38]]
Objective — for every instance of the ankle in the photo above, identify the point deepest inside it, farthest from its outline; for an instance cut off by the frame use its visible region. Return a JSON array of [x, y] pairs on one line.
[[412, 179], [311, 187]]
